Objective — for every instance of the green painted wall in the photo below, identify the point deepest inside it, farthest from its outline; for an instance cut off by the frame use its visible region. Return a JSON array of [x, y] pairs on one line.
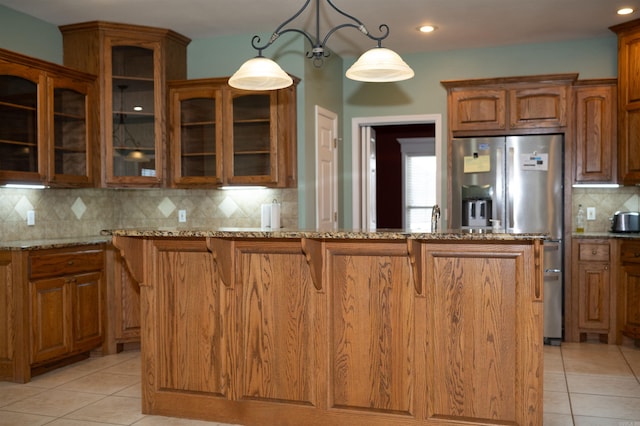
[[593, 58], [29, 36], [220, 56]]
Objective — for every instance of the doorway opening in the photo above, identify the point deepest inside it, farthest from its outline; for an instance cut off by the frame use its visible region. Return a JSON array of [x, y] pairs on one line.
[[380, 169]]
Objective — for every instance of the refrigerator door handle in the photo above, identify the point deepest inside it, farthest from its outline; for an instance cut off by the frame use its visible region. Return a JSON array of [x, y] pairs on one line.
[[556, 271], [510, 165]]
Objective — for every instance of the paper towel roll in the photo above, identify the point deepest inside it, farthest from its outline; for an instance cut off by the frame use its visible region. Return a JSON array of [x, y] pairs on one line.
[[275, 215], [265, 216]]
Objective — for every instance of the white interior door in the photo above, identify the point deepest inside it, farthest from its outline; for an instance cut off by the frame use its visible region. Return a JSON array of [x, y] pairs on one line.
[[326, 169]]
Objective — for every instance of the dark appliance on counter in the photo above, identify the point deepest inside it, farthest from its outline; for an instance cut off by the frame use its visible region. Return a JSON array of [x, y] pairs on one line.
[[625, 222], [518, 181]]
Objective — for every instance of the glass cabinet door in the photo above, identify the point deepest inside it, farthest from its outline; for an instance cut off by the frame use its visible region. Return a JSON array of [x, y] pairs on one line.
[[253, 138], [134, 151], [70, 160], [20, 125], [197, 136]]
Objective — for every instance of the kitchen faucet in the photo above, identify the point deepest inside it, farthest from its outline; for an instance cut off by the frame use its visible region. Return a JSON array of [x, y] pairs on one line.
[[435, 215]]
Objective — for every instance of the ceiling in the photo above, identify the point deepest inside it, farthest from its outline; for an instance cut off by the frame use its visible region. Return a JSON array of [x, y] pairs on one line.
[[461, 24]]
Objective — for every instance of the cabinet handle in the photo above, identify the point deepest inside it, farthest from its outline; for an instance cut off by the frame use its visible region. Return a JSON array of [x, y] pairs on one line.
[[70, 262], [594, 251]]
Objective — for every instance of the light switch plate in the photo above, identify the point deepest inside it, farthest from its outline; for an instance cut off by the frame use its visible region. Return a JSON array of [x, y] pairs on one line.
[[591, 213]]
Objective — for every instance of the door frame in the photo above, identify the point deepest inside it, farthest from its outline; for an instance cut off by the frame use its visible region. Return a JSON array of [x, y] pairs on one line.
[[334, 179], [360, 169]]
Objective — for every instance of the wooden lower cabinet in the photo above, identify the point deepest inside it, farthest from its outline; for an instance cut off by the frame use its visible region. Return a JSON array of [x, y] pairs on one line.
[[630, 288], [339, 332], [52, 310], [596, 295]]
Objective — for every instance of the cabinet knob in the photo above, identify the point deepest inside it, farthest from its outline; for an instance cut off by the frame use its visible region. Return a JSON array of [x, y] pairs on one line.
[[70, 262], [594, 251]]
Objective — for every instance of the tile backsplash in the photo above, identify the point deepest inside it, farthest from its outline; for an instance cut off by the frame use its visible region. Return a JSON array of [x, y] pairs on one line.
[[606, 201], [63, 213]]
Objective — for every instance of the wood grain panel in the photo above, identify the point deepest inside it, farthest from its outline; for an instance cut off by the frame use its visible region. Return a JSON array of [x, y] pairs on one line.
[[477, 326], [7, 314], [278, 354], [372, 331], [189, 310]]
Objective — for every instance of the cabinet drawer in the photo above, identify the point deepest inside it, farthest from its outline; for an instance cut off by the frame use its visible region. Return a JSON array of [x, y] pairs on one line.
[[65, 263], [594, 252], [630, 252]]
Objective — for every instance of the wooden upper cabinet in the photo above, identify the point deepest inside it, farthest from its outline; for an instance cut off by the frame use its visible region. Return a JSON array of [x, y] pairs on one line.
[[628, 101], [538, 107], [595, 131], [478, 109], [513, 105], [133, 64], [225, 136], [48, 132], [195, 129]]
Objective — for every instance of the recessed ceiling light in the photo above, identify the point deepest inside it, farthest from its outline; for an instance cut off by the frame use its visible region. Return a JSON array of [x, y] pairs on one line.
[[427, 28], [625, 11]]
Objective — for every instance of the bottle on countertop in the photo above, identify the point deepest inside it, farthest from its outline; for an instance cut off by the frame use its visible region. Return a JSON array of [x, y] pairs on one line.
[[580, 219]]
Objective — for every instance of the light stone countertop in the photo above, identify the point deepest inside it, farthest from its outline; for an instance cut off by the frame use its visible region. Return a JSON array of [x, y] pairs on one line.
[[353, 234], [54, 243], [602, 235]]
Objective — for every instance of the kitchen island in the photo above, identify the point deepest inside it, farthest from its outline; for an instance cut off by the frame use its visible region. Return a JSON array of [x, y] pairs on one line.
[[339, 328]]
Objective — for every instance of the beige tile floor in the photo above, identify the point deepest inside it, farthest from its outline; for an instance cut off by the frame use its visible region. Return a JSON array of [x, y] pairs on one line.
[[584, 384]]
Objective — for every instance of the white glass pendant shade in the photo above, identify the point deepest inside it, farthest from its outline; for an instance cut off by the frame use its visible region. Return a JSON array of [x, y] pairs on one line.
[[380, 65], [260, 73]]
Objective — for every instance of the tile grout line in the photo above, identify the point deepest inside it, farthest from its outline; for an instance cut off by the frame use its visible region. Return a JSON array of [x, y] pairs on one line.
[[566, 383]]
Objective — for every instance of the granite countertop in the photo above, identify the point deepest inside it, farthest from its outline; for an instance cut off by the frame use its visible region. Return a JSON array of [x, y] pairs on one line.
[[354, 234], [619, 235], [53, 243]]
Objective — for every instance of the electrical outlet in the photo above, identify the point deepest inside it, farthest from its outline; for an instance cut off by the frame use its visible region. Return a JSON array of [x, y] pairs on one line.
[[31, 217], [591, 213], [182, 216]]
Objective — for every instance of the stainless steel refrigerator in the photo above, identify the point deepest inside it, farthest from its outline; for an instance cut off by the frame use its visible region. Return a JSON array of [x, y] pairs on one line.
[[518, 181]]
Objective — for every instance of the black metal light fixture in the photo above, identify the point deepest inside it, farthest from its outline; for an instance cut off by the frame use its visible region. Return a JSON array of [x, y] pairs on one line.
[[378, 64]]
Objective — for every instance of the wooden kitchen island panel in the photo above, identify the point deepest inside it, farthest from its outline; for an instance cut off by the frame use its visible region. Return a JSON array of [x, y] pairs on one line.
[[296, 330]]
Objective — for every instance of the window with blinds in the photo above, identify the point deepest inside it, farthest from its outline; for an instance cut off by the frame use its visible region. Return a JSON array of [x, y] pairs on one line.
[[419, 181]]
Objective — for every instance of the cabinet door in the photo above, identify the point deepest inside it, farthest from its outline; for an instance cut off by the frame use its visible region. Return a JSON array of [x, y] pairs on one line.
[[537, 107], [50, 319], [196, 136], [86, 298], [23, 125], [70, 131], [595, 133], [251, 141], [484, 334], [483, 109], [593, 308], [629, 106], [631, 292], [134, 133]]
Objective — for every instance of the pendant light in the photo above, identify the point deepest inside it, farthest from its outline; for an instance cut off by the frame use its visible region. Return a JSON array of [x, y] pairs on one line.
[[123, 137], [376, 65]]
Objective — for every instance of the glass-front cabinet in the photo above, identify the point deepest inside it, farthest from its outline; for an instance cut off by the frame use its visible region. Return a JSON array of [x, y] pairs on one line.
[[46, 125], [134, 150], [225, 136], [133, 64], [252, 120], [71, 157], [196, 133]]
